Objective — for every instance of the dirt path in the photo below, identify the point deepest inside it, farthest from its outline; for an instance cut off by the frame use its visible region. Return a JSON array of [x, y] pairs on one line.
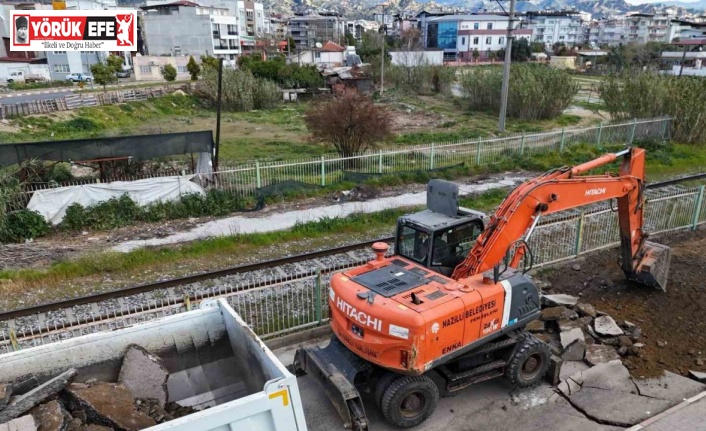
[[677, 317]]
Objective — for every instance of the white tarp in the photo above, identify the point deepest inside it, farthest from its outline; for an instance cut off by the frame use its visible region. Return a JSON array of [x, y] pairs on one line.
[[52, 203]]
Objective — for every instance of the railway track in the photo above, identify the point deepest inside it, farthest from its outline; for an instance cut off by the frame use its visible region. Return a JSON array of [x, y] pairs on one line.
[[110, 310]]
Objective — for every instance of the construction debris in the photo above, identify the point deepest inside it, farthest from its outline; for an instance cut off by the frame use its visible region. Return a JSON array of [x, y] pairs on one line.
[[137, 401], [560, 299], [36, 396], [574, 344], [108, 404], [605, 325], [144, 374], [600, 353]]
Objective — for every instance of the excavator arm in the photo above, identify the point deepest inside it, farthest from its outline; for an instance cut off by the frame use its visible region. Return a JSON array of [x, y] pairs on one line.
[[564, 189]]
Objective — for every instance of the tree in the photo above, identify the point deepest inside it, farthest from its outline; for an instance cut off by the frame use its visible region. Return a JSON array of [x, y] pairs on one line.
[[521, 51], [193, 67], [116, 62], [103, 74], [292, 44], [352, 123], [169, 72], [475, 54], [209, 61], [538, 47], [350, 39], [411, 39]]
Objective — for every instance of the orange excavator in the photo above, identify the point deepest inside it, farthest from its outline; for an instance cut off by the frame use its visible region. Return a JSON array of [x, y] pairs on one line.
[[440, 314]]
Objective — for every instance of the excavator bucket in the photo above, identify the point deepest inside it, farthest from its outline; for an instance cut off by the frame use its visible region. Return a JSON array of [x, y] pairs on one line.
[[654, 266], [335, 368]]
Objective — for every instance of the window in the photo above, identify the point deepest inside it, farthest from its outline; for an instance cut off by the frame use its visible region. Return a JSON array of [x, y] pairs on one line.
[[488, 40], [475, 41], [490, 26], [501, 40], [476, 26], [561, 37], [145, 69], [232, 30], [463, 41], [59, 52], [182, 69], [452, 246], [413, 244], [249, 13], [317, 55], [61, 68]]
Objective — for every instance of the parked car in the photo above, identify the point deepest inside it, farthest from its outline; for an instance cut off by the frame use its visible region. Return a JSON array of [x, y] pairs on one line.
[[123, 73], [79, 77], [14, 76]]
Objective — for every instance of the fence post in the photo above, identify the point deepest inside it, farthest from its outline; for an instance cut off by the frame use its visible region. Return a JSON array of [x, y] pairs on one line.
[[561, 143], [323, 171], [379, 161], [257, 175], [431, 159], [664, 128], [317, 308], [187, 302], [632, 132], [579, 234], [600, 132], [522, 145], [697, 210], [13, 340], [480, 141]]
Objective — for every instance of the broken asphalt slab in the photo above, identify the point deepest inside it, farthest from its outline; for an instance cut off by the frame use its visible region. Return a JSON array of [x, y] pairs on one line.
[[36, 396], [607, 395], [25, 423], [108, 404], [52, 416]]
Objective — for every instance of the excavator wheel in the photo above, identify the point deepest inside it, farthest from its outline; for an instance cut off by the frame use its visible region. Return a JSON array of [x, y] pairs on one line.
[[384, 381], [409, 401], [529, 362]]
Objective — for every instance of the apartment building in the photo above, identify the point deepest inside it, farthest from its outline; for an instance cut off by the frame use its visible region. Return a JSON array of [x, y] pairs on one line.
[[308, 30], [555, 27], [251, 19], [276, 27], [186, 28], [613, 32], [643, 28], [359, 27], [460, 35]]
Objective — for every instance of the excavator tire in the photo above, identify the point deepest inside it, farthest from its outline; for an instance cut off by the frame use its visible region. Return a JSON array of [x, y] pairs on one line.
[[409, 401], [384, 382], [529, 363]]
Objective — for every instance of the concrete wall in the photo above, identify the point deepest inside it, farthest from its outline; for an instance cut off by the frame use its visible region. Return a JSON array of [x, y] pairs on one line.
[[417, 58], [149, 68], [183, 28], [61, 63], [562, 62]]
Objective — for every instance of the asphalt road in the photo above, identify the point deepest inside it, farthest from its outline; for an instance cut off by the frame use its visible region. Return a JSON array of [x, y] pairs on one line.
[[31, 97]]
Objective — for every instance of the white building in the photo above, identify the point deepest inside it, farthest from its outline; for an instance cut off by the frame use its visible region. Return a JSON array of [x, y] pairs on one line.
[[555, 27], [186, 28], [329, 55], [613, 32], [459, 36]]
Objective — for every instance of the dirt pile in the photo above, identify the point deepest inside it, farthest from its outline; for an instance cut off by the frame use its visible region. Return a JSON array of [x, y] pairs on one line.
[[63, 405], [672, 323]]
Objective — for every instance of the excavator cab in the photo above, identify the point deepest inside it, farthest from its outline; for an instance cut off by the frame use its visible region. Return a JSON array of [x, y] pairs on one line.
[[441, 236]]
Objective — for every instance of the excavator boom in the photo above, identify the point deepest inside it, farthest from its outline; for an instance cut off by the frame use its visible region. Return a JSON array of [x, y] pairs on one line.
[[564, 189]]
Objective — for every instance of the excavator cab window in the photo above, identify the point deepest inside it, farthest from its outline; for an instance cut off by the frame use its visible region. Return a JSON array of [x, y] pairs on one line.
[[413, 243], [451, 245]]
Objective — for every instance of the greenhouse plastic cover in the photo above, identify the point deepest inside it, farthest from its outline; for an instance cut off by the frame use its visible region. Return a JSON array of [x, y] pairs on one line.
[[52, 203]]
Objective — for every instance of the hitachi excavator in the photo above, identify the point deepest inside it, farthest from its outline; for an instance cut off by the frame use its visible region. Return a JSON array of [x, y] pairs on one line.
[[440, 315]]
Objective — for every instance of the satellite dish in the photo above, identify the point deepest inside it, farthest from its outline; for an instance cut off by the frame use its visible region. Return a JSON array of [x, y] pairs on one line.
[[318, 44]]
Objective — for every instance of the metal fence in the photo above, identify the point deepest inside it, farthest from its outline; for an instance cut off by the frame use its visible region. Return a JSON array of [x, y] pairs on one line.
[[246, 179], [297, 302]]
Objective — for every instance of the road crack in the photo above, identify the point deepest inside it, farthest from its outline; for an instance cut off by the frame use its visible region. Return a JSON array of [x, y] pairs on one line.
[[593, 418]]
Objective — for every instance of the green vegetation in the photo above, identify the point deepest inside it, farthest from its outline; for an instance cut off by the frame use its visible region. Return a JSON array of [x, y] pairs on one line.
[[645, 95], [104, 72], [421, 79], [285, 75], [194, 69], [242, 91], [23, 225], [537, 92], [39, 84], [169, 73]]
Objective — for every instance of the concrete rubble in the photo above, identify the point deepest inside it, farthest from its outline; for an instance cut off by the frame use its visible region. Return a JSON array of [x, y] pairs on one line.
[[574, 345], [605, 325], [144, 374], [137, 401]]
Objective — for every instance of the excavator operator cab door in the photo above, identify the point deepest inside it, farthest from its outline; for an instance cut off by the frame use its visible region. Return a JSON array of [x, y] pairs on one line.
[[441, 250]]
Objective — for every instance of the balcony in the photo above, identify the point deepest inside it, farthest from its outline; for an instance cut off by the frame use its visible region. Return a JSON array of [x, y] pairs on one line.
[[232, 33]]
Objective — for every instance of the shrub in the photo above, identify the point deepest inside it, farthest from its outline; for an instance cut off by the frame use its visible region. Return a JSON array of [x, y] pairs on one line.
[[169, 72], [241, 90], [75, 217], [39, 84], [645, 95], [422, 79], [536, 92], [22, 225]]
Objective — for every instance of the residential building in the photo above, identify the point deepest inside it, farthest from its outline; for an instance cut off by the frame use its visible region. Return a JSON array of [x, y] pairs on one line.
[[308, 30], [682, 30], [693, 54], [329, 55], [613, 32], [460, 35], [359, 27], [276, 27], [186, 28], [251, 18], [61, 63], [555, 27], [402, 23], [149, 67]]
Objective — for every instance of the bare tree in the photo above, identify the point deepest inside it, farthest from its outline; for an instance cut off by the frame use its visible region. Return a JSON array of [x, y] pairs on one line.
[[352, 123]]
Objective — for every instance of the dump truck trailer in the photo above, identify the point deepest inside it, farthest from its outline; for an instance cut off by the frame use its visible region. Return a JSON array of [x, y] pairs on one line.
[[215, 362]]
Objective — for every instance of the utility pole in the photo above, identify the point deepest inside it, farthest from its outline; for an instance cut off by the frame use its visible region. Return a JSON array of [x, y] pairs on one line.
[[382, 60], [683, 59], [218, 113], [506, 68]]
